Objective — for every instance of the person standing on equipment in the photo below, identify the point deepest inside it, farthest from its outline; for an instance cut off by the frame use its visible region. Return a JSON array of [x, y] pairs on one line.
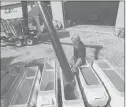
[[79, 50]]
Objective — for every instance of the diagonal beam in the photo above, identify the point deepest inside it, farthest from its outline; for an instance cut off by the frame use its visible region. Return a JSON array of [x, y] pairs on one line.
[[56, 43]]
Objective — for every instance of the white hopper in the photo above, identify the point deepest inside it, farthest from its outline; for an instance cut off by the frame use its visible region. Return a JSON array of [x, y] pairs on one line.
[[93, 89], [112, 81], [26, 92], [47, 94], [70, 98], [9, 82]]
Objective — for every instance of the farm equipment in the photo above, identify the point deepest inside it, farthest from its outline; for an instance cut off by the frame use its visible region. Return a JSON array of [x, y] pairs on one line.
[[14, 30], [19, 33]]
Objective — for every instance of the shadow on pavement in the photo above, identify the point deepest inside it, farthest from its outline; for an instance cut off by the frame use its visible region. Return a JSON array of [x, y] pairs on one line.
[[36, 62], [29, 63], [5, 63], [7, 44]]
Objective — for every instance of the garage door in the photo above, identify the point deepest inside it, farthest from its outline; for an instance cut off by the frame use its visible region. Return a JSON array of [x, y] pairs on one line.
[[93, 13]]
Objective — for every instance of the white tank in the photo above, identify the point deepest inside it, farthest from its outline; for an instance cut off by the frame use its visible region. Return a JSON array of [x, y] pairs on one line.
[[70, 97], [47, 96], [26, 92], [113, 82], [93, 90]]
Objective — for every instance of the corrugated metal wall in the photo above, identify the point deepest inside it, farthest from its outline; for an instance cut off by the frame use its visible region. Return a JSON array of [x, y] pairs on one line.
[[94, 13]]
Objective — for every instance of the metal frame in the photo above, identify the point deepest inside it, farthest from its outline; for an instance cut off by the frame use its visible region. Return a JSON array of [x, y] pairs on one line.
[[11, 91], [6, 27], [13, 81], [27, 104]]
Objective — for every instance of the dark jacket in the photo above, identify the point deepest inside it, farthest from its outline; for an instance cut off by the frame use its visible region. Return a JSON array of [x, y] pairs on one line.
[[80, 53]]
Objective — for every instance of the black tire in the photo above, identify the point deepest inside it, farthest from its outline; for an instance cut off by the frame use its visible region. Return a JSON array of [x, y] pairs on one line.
[[29, 41], [18, 43], [2, 41]]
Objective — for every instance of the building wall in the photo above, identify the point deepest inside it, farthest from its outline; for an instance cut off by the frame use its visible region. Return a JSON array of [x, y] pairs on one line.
[[81, 12], [94, 13], [120, 16], [57, 11], [15, 13]]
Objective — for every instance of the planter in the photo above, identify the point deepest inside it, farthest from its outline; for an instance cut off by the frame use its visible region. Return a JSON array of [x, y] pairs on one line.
[[93, 89], [9, 83], [113, 82], [70, 97], [47, 96], [25, 90]]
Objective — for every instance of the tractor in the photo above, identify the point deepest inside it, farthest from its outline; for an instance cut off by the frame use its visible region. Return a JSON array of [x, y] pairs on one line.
[[14, 33]]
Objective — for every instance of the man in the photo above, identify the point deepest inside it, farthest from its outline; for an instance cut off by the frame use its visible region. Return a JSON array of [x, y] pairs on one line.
[[79, 57]]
